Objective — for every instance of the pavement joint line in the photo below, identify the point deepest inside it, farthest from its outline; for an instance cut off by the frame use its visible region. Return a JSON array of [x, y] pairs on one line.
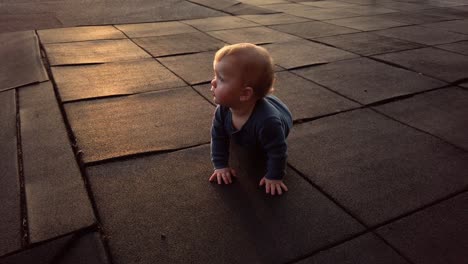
[[399, 252], [209, 7], [77, 153], [179, 54], [420, 130], [87, 99], [309, 119], [68, 245], [326, 22], [307, 66], [405, 96], [22, 86], [187, 83], [113, 24], [370, 228], [408, 49], [317, 40], [342, 207], [329, 89], [419, 209], [77, 41], [199, 93], [403, 67], [456, 52], [324, 248], [327, 195], [79, 64], [87, 229], [25, 240], [140, 155]]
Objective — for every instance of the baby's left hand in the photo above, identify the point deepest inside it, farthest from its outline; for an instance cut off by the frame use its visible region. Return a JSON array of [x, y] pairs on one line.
[[273, 186]]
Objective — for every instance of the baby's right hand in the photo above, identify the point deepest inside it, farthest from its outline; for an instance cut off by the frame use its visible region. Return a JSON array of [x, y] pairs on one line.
[[224, 174]]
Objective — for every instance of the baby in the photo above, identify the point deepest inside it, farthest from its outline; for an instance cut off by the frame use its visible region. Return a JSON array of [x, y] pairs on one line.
[[248, 114]]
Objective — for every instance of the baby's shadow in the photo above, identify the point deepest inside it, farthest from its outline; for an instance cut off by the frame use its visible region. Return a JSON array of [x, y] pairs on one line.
[[256, 212]]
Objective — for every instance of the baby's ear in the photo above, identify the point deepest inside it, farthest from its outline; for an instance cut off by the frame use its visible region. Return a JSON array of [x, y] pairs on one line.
[[247, 94]]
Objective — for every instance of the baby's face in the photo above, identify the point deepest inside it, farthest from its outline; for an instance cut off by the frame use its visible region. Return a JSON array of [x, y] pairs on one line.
[[227, 85]]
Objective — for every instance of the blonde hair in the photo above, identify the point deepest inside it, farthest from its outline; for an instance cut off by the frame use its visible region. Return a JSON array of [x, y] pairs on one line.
[[256, 64]]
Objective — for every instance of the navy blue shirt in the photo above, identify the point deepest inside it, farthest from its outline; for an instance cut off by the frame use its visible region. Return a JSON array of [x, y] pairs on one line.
[[266, 129]]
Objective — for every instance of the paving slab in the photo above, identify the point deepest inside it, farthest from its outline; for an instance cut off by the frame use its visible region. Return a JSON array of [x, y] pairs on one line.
[[441, 64], [301, 53], [156, 210], [264, 2], [462, 8], [437, 234], [451, 13], [321, 13], [423, 35], [313, 29], [441, 113], [255, 35], [329, 4], [367, 248], [287, 8], [274, 19], [101, 12], [73, 34], [368, 81], [404, 6], [179, 44], [414, 18], [367, 44], [14, 22], [193, 68], [71, 249], [216, 4], [56, 198], [96, 51], [116, 78], [219, 23], [244, 9], [458, 47], [304, 99], [155, 29], [10, 222], [441, 3], [21, 60], [362, 160], [368, 10], [153, 121], [458, 26], [367, 2], [366, 23]]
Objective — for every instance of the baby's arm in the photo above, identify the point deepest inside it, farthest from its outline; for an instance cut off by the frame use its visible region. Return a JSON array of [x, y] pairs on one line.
[[220, 150], [273, 140]]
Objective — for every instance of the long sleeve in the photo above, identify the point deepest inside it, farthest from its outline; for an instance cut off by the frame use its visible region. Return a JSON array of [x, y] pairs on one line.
[[219, 141], [273, 140]]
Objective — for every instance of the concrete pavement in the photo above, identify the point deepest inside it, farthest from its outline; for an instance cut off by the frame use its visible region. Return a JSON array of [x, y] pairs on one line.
[[106, 111]]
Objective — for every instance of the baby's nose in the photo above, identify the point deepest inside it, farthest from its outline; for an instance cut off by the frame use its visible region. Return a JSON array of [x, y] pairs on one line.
[[213, 84]]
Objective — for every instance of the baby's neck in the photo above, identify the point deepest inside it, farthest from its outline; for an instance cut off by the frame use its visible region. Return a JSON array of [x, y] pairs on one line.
[[244, 110], [241, 114]]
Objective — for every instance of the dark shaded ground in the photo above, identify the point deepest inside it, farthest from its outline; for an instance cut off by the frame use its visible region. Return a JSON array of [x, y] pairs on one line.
[[105, 133]]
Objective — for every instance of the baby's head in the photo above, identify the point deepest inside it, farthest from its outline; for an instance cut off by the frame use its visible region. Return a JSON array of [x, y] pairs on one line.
[[245, 65]]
